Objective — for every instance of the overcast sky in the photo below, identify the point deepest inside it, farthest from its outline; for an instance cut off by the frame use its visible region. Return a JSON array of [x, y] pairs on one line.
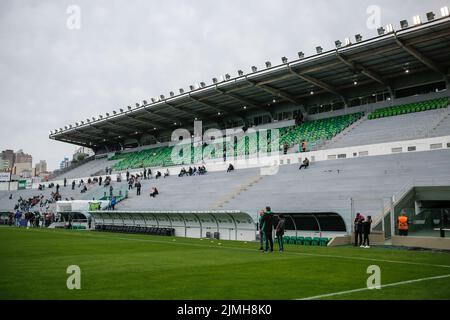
[[128, 51]]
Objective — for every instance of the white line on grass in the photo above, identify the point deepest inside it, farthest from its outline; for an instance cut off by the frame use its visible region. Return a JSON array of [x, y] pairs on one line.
[[382, 286], [247, 249]]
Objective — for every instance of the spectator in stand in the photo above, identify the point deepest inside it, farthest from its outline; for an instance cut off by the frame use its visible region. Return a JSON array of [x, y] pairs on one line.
[[230, 168], [285, 148], [190, 171], [128, 175], [145, 174], [304, 145], [305, 164], [57, 188], [111, 190], [84, 189], [73, 184], [10, 196], [182, 172], [113, 203], [154, 192], [100, 180], [65, 182], [138, 188], [166, 174], [158, 174], [130, 183], [149, 174]]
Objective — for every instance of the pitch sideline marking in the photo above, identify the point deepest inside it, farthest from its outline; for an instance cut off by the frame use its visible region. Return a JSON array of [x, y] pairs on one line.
[[253, 250], [382, 286]]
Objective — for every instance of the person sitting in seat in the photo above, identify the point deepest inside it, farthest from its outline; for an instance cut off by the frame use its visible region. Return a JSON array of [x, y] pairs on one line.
[[304, 145], [230, 168], [166, 174], [158, 175], [154, 192], [190, 171], [182, 172], [305, 164], [84, 189]]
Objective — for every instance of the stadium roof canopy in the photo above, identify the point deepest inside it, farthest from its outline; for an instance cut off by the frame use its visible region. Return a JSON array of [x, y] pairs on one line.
[[380, 60]]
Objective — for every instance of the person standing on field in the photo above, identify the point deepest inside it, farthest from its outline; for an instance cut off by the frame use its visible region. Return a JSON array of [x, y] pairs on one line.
[[261, 233], [358, 229], [280, 232], [366, 226], [267, 228]]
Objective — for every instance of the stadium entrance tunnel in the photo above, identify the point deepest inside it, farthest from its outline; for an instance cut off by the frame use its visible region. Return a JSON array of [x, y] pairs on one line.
[[225, 225], [313, 224]]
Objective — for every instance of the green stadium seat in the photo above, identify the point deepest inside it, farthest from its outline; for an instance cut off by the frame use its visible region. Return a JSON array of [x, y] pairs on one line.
[[307, 241], [315, 241]]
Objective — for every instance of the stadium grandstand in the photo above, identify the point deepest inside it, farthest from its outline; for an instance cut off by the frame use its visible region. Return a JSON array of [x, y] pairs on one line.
[[372, 117]]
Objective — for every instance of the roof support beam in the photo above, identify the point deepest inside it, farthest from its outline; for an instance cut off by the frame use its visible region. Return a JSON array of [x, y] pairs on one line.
[[218, 108], [245, 102], [196, 114], [357, 67], [421, 58], [319, 83], [276, 92], [147, 121], [164, 118]]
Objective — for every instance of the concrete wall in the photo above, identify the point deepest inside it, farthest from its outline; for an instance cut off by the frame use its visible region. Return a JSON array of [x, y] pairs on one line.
[[422, 242]]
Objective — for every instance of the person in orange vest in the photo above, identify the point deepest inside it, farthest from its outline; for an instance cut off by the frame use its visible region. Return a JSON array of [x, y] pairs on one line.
[[403, 224], [304, 145]]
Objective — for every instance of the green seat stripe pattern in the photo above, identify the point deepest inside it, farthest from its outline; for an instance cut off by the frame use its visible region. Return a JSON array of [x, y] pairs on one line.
[[311, 131], [409, 108]]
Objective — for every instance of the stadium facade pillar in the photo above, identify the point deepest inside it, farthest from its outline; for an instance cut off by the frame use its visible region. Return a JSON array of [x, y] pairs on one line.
[[392, 212]]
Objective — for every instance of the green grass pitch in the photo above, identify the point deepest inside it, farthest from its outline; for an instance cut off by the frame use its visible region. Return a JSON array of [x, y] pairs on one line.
[[33, 265]]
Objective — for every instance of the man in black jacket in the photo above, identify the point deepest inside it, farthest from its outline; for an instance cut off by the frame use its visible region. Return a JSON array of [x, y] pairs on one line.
[[267, 228], [358, 229]]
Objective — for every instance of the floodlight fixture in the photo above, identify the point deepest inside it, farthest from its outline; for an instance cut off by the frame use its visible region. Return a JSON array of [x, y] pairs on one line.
[[301, 55], [129, 107], [240, 73], [171, 93], [137, 105], [404, 24], [202, 84], [181, 90], [417, 20], [430, 16], [191, 87], [153, 100], [319, 50], [389, 28], [381, 31], [254, 69], [284, 60], [121, 110], [161, 97], [338, 44], [227, 77], [214, 80], [268, 64], [358, 37], [144, 102]]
